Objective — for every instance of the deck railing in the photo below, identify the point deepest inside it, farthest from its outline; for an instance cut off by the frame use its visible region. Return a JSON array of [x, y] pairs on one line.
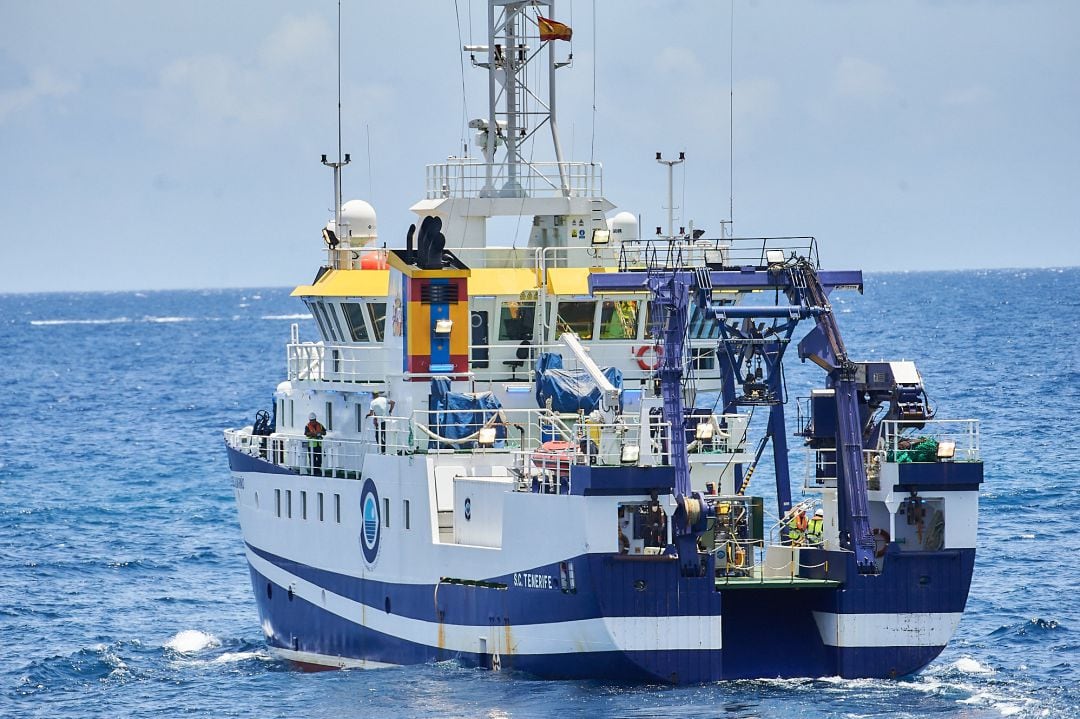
[[467, 177], [537, 439]]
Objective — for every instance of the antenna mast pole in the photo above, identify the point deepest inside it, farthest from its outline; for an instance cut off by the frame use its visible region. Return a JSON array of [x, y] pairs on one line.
[[340, 163], [670, 200]]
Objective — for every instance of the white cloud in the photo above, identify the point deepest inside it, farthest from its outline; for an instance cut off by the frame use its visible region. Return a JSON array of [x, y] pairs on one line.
[[204, 98], [680, 60], [43, 83], [968, 96], [297, 39], [858, 78]]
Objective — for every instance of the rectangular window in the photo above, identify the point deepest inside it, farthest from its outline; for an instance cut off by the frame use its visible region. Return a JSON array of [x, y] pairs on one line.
[[288, 503], [277, 501], [377, 315], [354, 318], [386, 511], [303, 504], [320, 506], [331, 309], [329, 416], [337, 508], [575, 317], [326, 320], [359, 419], [281, 412], [313, 308], [406, 508], [618, 320], [516, 321], [292, 414]]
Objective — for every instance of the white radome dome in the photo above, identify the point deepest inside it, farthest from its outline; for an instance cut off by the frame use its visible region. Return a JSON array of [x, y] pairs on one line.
[[358, 217], [623, 227]]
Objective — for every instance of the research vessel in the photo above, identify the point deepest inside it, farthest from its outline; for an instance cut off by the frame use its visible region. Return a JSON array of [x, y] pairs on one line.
[[501, 456]]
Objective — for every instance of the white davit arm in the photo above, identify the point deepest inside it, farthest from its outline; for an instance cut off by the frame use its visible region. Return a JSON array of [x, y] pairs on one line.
[[611, 394]]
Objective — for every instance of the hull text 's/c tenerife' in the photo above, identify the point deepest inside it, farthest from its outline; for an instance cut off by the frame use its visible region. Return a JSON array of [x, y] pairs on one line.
[[494, 455]]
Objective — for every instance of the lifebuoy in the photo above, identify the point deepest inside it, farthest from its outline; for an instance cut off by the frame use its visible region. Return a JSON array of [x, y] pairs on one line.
[[657, 350], [883, 544]]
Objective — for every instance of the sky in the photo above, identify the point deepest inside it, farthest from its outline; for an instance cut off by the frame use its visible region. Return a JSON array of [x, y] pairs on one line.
[[176, 145]]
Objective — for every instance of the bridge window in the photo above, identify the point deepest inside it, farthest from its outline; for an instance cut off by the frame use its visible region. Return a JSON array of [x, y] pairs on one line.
[[701, 325], [516, 321], [576, 317], [618, 320], [377, 315], [354, 317], [326, 324]]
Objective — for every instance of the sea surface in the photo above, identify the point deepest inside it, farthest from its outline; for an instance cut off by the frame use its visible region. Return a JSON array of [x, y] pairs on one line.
[[123, 586]]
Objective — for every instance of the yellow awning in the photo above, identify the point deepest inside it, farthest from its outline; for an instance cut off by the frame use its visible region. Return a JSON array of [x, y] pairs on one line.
[[501, 281], [572, 280], [348, 283]]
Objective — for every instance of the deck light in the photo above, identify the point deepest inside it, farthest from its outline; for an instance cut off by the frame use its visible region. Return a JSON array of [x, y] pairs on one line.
[[630, 454], [774, 257], [704, 431], [443, 327], [600, 237], [486, 437], [946, 449]]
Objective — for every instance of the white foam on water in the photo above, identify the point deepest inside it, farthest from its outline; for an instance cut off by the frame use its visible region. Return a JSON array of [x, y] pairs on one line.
[[969, 665], [167, 320], [300, 316], [49, 323], [230, 657], [191, 640]]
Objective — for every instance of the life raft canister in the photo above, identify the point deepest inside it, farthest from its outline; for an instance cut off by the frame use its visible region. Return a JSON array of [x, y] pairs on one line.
[[657, 352], [556, 455]]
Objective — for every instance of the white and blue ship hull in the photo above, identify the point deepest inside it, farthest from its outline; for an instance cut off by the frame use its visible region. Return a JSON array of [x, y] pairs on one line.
[[323, 604]]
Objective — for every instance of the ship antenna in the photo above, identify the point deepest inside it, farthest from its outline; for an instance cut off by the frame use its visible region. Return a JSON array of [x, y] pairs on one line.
[[340, 163], [731, 121]]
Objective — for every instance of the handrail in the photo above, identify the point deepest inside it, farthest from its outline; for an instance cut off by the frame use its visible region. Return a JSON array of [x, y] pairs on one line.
[[463, 177], [442, 431]]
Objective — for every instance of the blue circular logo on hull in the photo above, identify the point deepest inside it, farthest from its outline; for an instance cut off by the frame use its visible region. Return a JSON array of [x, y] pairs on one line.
[[371, 521]]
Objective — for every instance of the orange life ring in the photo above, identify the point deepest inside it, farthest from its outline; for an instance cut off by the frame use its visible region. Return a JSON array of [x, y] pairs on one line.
[[880, 534], [658, 350]]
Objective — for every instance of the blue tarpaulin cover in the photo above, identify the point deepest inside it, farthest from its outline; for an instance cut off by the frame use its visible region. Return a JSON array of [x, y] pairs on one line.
[[570, 390], [460, 414]]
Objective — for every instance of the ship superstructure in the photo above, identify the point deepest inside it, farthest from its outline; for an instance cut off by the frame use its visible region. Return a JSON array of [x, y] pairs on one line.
[[510, 469]]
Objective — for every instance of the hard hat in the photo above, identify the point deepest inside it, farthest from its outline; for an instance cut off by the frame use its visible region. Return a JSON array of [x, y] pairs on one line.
[[819, 513], [311, 416]]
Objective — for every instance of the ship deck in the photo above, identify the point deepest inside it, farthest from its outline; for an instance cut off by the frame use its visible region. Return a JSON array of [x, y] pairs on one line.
[[757, 580]]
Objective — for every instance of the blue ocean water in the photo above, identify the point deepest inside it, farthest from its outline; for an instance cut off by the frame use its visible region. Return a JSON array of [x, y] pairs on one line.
[[124, 591]]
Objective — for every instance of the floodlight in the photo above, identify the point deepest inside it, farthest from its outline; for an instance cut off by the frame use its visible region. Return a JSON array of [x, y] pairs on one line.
[[946, 449], [443, 327], [600, 237], [774, 257], [704, 431], [486, 437], [630, 454]]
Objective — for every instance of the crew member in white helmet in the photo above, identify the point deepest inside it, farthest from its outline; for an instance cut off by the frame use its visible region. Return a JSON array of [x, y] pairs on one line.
[[380, 408]]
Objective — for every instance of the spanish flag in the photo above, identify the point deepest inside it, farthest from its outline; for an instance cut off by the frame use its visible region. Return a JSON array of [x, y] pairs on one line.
[[553, 30]]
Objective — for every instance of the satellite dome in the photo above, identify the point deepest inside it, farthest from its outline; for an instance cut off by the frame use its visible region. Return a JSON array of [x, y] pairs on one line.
[[359, 219], [623, 227]]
